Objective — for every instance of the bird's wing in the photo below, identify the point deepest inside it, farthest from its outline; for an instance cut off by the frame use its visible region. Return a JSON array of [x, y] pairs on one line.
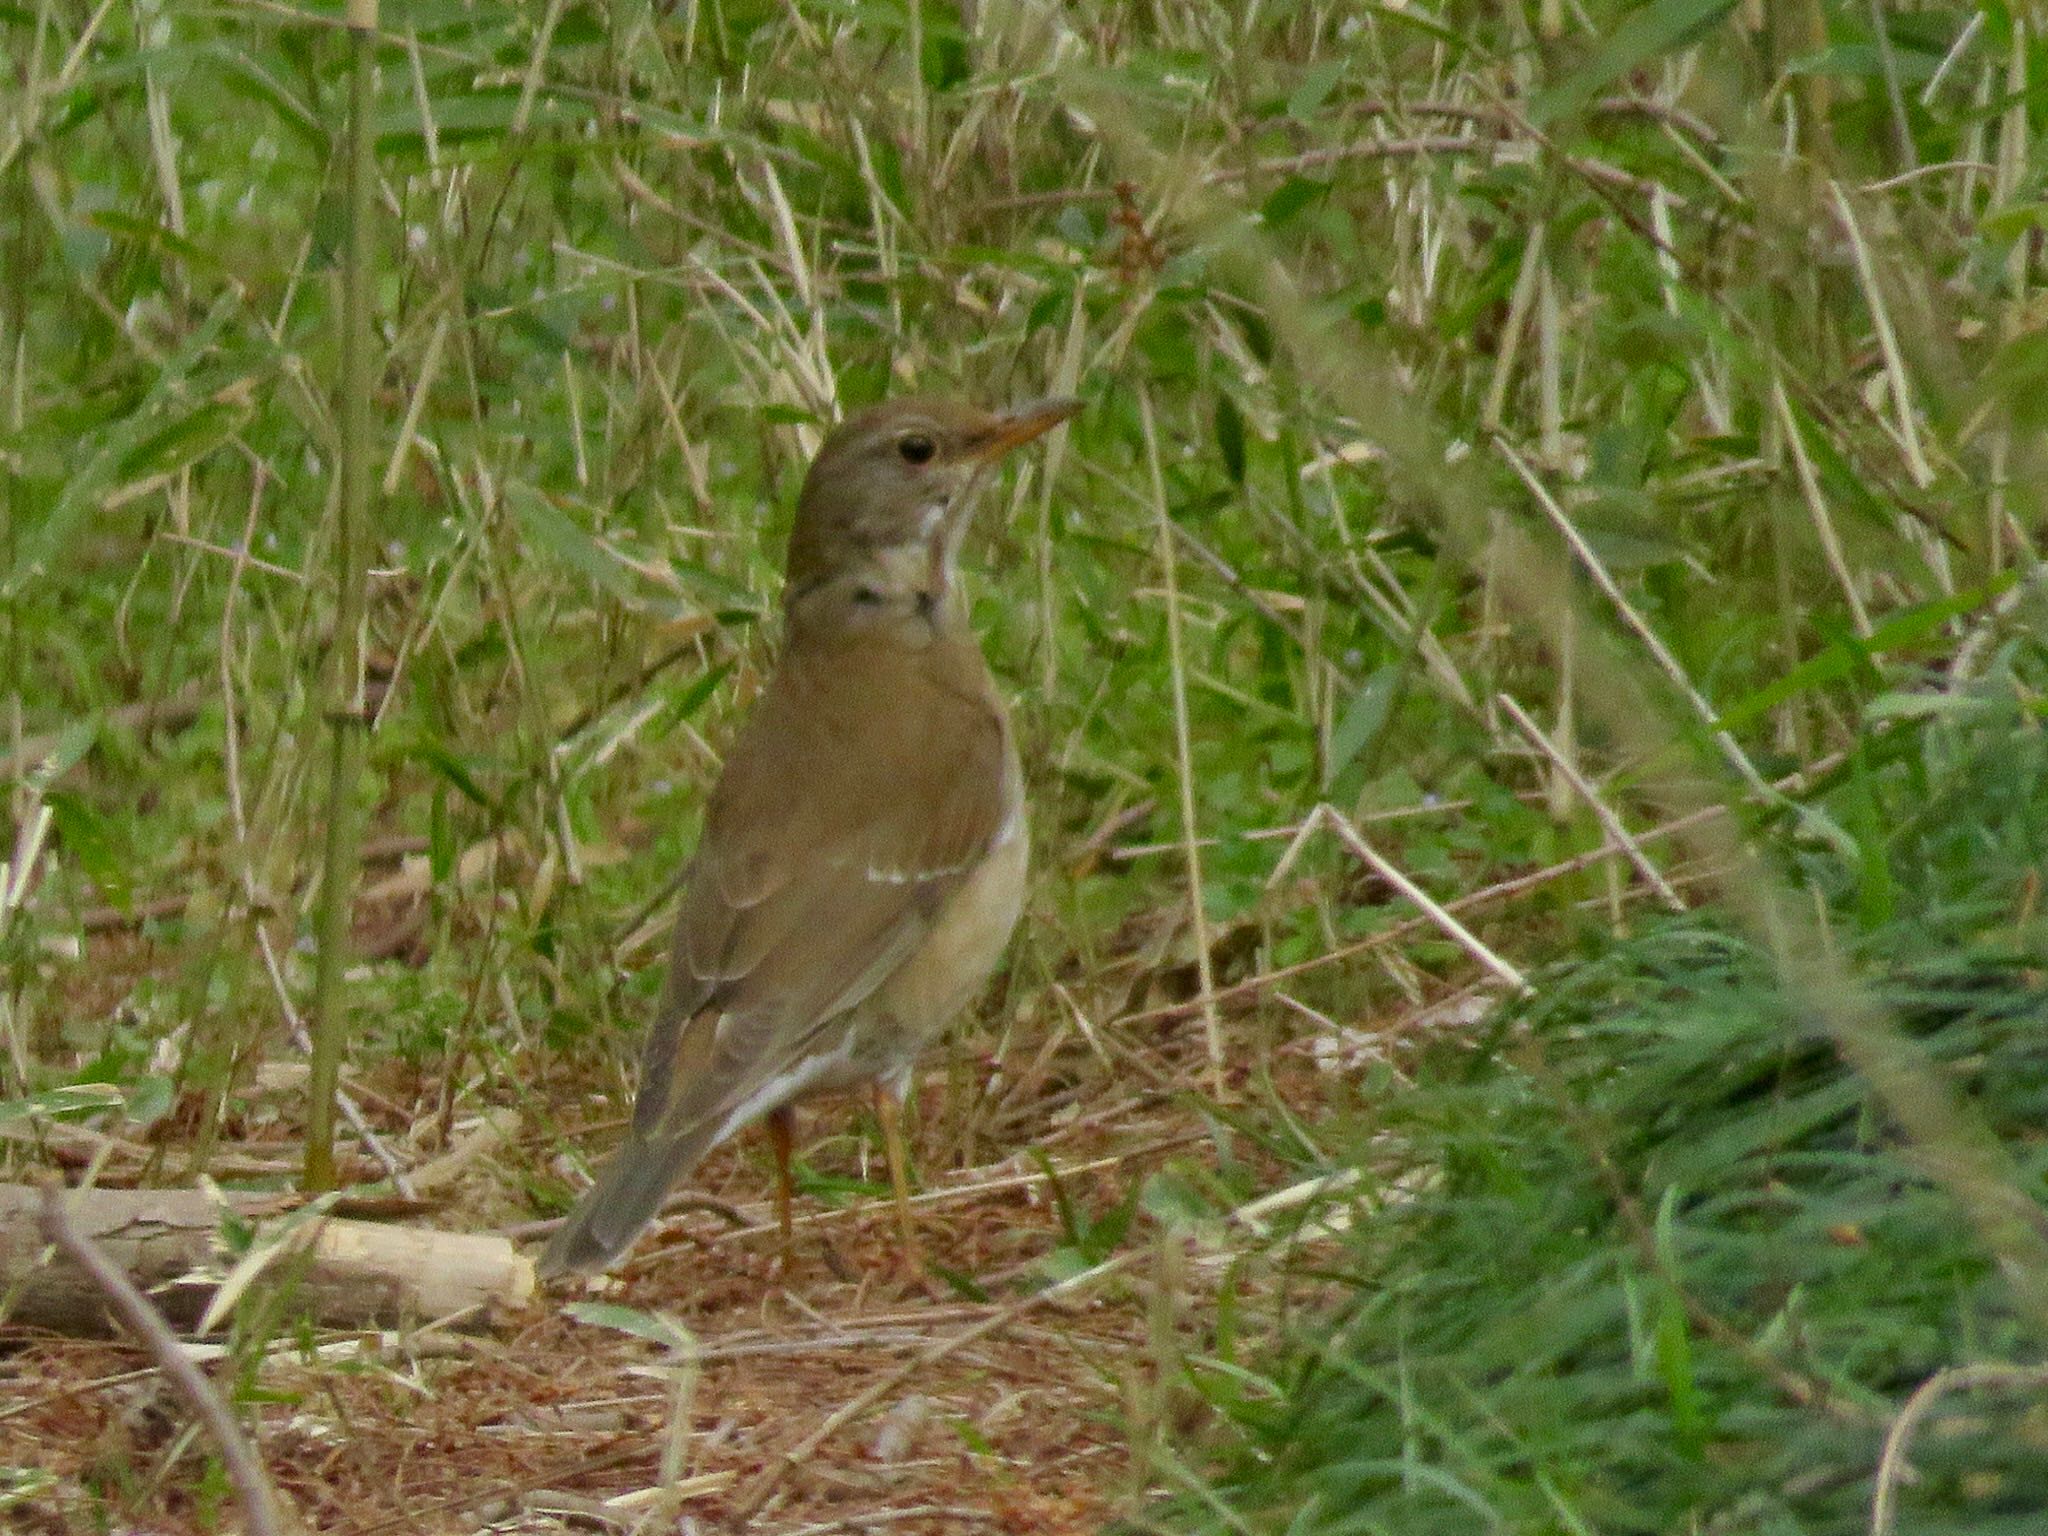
[[829, 846]]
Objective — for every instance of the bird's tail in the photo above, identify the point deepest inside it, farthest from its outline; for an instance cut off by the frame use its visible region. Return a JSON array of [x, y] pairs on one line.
[[621, 1202]]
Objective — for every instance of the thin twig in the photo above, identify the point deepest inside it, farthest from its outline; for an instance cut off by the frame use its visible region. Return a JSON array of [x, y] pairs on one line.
[[1817, 510], [1496, 139], [1486, 896], [1388, 871], [264, 1513], [1891, 1465], [1887, 340], [915, 1366], [1660, 653], [1610, 822], [880, 1517], [502, 1489]]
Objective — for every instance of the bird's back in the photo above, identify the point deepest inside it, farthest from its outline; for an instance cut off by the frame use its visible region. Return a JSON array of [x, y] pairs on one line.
[[861, 867]]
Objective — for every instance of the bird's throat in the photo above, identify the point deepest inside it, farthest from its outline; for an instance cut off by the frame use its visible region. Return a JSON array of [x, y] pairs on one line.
[[910, 590]]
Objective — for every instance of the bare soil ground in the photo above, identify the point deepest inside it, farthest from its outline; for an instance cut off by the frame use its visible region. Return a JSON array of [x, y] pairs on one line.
[[911, 1409], [829, 1394]]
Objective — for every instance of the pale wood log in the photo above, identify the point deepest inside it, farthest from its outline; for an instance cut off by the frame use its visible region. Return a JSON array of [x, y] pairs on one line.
[[350, 1274]]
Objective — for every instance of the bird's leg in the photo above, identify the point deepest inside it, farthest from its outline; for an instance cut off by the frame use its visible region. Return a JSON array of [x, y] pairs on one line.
[[782, 1137], [889, 1110]]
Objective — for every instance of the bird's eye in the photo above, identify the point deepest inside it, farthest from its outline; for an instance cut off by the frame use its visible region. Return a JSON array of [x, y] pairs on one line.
[[916, 448]]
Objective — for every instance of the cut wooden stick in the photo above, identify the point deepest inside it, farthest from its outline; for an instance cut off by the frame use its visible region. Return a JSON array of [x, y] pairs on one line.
[[355, 1273]]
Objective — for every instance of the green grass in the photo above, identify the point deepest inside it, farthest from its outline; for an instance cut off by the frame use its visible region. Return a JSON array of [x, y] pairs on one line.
[[1660, 1260], [1672, 368]]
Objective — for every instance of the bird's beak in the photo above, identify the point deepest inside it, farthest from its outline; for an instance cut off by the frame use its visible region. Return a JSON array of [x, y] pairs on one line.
[[1014, 428]]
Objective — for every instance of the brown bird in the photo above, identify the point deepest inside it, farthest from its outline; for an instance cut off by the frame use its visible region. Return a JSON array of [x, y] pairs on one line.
[[863, 856]]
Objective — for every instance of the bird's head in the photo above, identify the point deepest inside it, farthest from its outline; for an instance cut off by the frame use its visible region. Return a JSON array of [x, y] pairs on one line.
[[886, 501]]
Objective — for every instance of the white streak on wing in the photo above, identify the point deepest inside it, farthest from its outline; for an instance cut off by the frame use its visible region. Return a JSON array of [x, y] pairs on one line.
[[1013, 824], [783, 1088]]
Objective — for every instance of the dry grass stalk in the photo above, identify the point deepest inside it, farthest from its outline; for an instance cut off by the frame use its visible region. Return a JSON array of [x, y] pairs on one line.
[[1610, 822], [1433, 912], [1893, 1470], [853, 1408], [1184, 759]]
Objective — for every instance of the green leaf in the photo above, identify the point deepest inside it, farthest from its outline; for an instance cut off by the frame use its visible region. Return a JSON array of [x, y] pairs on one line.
[[1071, 1225], [82, 831], [440, 836], [26, 1487], [451, 768], [182, 442], [1107, 1231], [149, 232], [1175, 1203], [1675, 1367], [242, 71], [1307, 97], [654, 1327], [70, 1099], [1060, 1266], [98, 471], [1362, 721], [694, 697], [2018, 379], [552, 530], [73, 742], [1648, 33], [151, 1097], [1290, 198], [1836, 662], [960, 1283], [971, 1437], [1230, 437], [945, 63]]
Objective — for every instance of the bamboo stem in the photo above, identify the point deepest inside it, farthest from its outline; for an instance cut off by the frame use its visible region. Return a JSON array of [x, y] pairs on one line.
[[346, 719]]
